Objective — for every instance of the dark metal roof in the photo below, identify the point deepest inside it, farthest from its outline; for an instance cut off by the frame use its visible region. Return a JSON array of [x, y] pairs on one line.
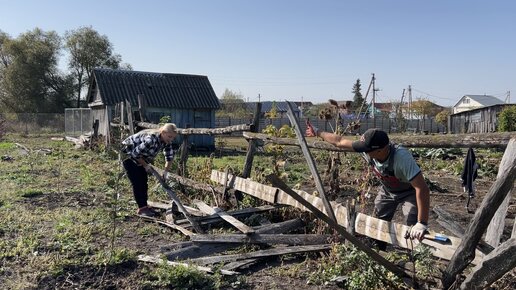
[[161, 90]]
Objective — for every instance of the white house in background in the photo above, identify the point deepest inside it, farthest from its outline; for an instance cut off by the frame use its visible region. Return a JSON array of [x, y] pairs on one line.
[[471, 102]]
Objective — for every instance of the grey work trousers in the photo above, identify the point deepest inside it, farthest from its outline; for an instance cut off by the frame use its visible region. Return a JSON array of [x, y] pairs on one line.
[[386, 204]]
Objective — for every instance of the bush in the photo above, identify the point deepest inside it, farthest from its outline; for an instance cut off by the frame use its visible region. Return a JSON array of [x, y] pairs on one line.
[[507, 119]]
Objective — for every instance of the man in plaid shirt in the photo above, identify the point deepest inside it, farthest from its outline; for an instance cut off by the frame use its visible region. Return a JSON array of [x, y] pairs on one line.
[[141, 149]]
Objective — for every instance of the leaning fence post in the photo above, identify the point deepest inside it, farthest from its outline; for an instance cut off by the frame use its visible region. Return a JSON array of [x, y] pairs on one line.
[[465, 253], [251, 147]]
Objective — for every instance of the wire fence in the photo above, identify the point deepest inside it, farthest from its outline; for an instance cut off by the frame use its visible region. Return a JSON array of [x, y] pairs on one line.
[[33, 123]]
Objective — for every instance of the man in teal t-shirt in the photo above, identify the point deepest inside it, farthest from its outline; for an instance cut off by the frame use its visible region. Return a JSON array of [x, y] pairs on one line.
[[401, 177]]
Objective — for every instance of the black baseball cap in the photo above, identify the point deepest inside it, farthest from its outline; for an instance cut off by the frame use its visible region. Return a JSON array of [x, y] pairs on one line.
[[372, 139]]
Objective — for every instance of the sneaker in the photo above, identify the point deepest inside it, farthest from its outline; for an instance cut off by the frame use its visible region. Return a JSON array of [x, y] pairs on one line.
[[145, 211]]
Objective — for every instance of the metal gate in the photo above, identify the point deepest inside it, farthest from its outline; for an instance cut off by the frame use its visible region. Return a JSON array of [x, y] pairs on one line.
[[78, 121]]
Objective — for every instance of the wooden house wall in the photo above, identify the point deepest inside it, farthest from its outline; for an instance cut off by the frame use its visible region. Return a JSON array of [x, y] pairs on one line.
[[187, 119], [477, 121]]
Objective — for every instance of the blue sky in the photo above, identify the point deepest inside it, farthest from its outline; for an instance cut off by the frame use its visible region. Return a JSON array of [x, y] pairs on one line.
[[302, 50]]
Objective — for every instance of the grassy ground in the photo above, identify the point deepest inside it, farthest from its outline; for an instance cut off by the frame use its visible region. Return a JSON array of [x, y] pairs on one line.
[[67, 219]]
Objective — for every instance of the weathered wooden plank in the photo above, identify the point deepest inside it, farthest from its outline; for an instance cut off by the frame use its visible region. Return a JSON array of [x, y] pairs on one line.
[[251, 147], [492, 267], [310, 160], [394, 234], [202, 131], [206, 220], [261, 254], [162, 205], [130, 122], [271, 239], [448, 221], [156, 260], [274, 195], [230, 219], [501, 187], [495, 229], [172, 195], [195, 250], [170, 225], [274, 180], [485, 140], [190, 182]]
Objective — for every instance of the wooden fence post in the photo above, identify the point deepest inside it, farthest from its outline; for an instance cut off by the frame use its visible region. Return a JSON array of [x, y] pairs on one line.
[[495, 228], [465, 253], [184, 155], [251, 147], [142, 105]]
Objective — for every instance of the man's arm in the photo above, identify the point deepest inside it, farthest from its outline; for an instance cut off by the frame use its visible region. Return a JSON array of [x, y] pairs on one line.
[[422, 198], [331, 138]]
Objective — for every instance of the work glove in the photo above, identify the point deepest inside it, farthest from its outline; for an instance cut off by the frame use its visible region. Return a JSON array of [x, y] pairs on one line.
[[311, 131], [418, 231], [165, 175]]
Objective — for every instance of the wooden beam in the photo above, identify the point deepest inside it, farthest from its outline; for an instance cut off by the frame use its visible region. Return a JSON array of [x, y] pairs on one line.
[[271, 239], [230, 219], [310, 160], [193, 250], [201, 131], [495, 229], [492, 267], [156, 260], [484, 140], [274, 180], [172, 195], [500, 188], [394, 233]]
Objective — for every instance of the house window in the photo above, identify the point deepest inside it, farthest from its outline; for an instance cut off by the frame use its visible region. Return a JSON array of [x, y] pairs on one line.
[[465, 101]]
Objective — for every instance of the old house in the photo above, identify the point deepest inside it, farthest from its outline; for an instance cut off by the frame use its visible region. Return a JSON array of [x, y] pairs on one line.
[[481, 120], [189, 100], [471, 102]]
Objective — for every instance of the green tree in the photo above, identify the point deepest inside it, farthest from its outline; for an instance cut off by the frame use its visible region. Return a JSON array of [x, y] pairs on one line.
[[442, 118], [507, 119], [233, 105], [88, 50], [358, 100], [30, 80]]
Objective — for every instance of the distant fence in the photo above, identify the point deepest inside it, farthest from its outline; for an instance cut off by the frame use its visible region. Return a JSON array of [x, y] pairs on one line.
[[33, 123], [389, 125], [78, 121]]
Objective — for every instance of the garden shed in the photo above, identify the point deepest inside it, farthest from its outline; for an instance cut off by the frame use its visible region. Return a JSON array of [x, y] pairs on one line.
[[481, 120], [189, 100]]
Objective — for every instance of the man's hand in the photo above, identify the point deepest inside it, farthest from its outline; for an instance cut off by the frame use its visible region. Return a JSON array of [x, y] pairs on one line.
[[418, 231], [311, 131]]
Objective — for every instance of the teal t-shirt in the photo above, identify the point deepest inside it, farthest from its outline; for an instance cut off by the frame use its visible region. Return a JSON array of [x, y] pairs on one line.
[[405, 167]]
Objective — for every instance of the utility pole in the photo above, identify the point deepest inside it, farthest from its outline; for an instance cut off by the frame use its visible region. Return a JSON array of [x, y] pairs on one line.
[[508, 97], [373, 100], [410, 102], [259, 98]]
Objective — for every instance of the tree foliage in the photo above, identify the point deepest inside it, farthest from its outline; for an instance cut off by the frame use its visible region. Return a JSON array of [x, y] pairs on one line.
[[30, 79], [507, 119], [442, 118], [232, 105], [88, 50], [425, 109], [358, 100]]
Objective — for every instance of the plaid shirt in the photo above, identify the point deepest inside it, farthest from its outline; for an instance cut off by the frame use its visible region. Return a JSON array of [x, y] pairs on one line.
[[146, 144]]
